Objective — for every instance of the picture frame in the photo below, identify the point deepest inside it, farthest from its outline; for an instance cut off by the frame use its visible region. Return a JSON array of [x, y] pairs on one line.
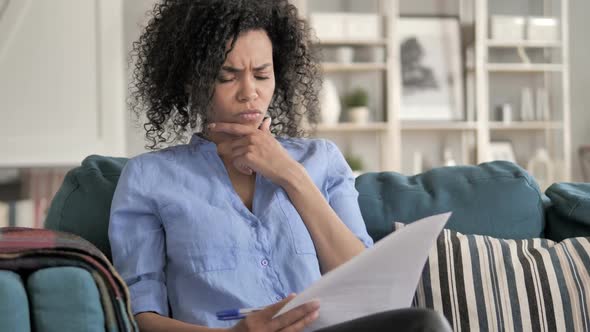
[[431, 71], [501, 150]]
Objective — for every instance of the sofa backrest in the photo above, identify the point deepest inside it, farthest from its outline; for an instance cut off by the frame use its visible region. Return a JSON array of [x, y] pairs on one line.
[[82, 204], [498, 199]]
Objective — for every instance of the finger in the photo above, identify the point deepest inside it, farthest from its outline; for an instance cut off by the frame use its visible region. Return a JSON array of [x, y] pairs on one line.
[[303, 322], [242, 168], [236, 129], [272, 309], [266, 124], [242, 142], [294, 315], [242, 151]]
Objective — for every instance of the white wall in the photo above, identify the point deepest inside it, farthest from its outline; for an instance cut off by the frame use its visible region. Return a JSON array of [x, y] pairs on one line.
[[61, 81], [134, 12], [580, 78]]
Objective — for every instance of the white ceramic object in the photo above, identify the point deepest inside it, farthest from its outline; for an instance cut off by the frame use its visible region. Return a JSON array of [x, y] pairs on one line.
[[527, 111], [362, 26], [448, 159], [358, 115], [328, 26], [345, 54], [543, 28], [418, 165], [542, 107], [330, 103], [541, 167], [507, 28], [506, 113]]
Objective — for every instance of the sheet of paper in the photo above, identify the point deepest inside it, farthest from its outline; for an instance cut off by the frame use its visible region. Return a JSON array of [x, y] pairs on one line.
[[381, 278]]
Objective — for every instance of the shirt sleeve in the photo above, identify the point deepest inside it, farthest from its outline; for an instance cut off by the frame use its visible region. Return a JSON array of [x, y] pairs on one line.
[[138, 241], [342, 194]]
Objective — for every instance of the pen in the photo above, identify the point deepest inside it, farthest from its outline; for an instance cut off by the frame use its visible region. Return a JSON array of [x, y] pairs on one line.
[[234, 314]]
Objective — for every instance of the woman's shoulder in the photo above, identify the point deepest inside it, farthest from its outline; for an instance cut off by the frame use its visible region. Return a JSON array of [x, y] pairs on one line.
[[306, 144], [168, 157], [319, 149]]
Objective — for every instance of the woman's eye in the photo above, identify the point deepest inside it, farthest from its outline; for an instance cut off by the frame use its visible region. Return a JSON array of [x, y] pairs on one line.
[[262, 78], [225, 79]]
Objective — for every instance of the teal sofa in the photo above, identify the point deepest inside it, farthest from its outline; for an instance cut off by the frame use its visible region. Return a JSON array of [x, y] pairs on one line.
[[498, 199]]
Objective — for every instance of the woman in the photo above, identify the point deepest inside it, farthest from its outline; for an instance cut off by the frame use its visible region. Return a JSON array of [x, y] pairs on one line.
[[247, 212]]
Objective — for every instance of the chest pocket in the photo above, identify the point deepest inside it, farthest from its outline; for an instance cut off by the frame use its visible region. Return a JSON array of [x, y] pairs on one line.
[[301, 238], [199, 242]]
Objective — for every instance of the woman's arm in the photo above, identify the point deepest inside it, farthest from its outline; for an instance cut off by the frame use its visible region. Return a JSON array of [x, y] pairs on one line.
[[153, 322], [335, 243], [258, 150], [294, 320]]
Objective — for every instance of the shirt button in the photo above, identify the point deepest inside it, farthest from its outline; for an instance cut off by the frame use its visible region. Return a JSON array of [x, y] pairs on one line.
[[264, 262], [254, 224]]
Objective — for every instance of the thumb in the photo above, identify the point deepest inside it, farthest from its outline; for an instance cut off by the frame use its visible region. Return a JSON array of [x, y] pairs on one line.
[[266, 124]]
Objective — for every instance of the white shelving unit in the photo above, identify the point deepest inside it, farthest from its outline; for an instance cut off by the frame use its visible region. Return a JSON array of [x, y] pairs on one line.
[[554, 133], [396, 140], [379, 134], [353, 67]]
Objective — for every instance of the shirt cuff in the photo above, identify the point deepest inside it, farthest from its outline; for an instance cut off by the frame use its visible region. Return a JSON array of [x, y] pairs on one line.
[[149, 295]]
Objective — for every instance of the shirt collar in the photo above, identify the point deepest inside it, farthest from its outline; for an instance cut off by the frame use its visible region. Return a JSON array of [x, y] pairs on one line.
[[203, 143]]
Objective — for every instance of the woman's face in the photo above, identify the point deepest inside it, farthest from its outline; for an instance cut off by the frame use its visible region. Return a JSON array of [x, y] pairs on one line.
[[246, 82]]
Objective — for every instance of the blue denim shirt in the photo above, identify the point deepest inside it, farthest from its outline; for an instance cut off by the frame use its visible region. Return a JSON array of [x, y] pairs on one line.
[[187, 246]]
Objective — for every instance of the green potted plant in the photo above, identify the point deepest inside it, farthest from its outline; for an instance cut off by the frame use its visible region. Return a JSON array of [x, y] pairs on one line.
[[355, 163], [356, 104]]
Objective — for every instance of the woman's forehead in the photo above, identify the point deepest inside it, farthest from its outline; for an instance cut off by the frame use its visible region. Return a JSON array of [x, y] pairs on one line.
[[251, 47]]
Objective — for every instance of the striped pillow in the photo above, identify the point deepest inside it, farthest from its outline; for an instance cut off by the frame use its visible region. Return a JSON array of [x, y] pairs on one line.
[[482, 283]]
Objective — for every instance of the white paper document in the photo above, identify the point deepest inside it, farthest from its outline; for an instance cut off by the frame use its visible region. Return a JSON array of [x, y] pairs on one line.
[[381, 278]]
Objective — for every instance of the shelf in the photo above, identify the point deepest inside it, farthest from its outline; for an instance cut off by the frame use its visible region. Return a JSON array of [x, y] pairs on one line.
[[438, 125], [352, 127], [337, 42], [524, 43], [523, 67], [526, 125], [353, 67]]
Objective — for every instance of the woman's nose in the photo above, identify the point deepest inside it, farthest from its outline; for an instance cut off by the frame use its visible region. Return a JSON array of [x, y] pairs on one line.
[[247, 90]]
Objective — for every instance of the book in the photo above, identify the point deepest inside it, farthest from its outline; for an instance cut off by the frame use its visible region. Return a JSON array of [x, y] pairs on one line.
[[17, 213], [4, 214], [381, 278], [23, 213]]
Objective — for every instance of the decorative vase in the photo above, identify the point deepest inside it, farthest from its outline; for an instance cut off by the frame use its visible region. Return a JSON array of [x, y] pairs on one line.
[[541, 167], [527, 112], [542, 104], [358, 114], [345, 54], [418, 164], [330, 103]]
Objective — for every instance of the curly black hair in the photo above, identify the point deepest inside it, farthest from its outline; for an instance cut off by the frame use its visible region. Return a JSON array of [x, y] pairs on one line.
[[184, 45]]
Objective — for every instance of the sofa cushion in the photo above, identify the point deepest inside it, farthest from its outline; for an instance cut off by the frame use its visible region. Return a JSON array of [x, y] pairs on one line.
[[569, 213], [83, 203], [482, 283], [65, 299], [14, 305], [499, 199]]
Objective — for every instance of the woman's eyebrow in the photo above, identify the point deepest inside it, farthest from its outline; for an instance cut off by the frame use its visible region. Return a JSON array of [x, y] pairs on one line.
[[231, 69]]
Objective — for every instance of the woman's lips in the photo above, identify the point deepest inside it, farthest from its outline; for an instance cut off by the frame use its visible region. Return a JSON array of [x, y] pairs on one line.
[[250, 116]]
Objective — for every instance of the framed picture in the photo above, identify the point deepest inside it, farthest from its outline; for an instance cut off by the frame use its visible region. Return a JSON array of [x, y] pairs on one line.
[[502, 150], [431, 68]]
